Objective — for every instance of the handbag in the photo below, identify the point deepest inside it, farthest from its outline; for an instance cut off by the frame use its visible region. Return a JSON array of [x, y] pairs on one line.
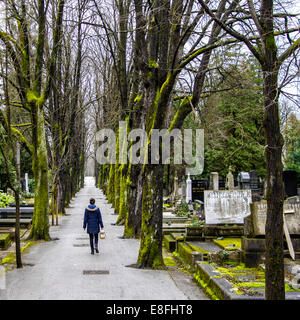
[[102, 235]]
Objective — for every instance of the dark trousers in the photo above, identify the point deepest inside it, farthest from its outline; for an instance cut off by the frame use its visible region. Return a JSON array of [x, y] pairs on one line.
[[93, 240]]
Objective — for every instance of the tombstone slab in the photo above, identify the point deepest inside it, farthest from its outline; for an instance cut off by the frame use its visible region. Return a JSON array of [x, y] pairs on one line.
[[255, 226], [198, 187], [226, 206], [214, 180]]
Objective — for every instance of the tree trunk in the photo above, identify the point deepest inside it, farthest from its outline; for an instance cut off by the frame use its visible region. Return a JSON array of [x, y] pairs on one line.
[[111, 179], [40, 221], [17, 230], [274, 142], [150, 254], [275, 196], [133, 218], [123, 202]]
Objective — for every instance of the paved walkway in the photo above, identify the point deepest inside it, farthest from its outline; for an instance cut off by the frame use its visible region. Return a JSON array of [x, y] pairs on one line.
[[57, 271]]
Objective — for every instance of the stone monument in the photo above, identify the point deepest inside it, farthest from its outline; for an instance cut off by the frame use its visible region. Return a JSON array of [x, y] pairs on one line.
[[226, 207], [290, 182], [26, 183], [176, 187], [214, 181], [188, 196], [244, 180], [253, 242], [229, 180]]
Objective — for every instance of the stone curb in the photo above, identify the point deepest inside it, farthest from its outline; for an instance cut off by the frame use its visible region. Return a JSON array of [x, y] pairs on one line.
[[222, 287]]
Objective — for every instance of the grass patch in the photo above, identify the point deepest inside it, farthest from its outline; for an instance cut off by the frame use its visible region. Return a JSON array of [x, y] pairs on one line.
[[11, 257], [28, 201], [3, 236], [170, 262], [229, 243]]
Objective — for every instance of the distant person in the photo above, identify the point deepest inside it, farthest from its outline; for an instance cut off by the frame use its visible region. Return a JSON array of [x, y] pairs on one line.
[[92, 219]]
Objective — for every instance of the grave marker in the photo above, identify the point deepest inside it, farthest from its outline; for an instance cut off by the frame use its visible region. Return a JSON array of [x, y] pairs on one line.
[[244, 180], [188, 197], [226, 207], [198, 187], [26, 183], [290, 182], [214, 181], [256, 225], [253, 180]]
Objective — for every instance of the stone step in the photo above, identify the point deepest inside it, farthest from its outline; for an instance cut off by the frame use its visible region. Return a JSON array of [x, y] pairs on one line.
[[4, 241], [11, 222], [170, 242]]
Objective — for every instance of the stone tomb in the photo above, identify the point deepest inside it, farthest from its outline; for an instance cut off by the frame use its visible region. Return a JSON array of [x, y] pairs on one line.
[[253, 242], [255, 224], [226, 206]]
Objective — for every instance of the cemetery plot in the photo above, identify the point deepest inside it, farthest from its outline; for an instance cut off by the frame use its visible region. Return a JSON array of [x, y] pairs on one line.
[[256, 226]]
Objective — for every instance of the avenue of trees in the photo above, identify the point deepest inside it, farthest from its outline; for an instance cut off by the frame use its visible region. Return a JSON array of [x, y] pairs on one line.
[[69, 68], [42, 101]]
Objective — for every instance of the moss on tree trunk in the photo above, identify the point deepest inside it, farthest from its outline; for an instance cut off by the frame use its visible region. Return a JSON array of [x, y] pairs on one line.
[[40, 222], [134, 198], [123, 203], [150, 253], [111, 181]]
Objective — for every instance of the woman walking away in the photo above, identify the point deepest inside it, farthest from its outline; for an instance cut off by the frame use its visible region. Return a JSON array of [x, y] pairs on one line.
[[93, 218]]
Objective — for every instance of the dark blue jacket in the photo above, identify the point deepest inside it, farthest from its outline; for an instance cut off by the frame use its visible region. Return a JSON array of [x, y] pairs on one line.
[[92, 218]]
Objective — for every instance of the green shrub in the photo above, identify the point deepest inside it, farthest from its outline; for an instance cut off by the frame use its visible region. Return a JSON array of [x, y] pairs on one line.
[[5, 199], [182, 210], [31, 185], [27, 195]]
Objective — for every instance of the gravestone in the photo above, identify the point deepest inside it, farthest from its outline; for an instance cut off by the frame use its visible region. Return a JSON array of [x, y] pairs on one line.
[[222, 183], [253, 180], [226, 207], [255, 225], [254, 244], [198, 187], [22, 182], [214, 181], [290, 182], [244, 180]]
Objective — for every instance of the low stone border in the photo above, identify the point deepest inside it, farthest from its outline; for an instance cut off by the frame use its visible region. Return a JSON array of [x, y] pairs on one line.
[[219, 288], [215, 286]]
